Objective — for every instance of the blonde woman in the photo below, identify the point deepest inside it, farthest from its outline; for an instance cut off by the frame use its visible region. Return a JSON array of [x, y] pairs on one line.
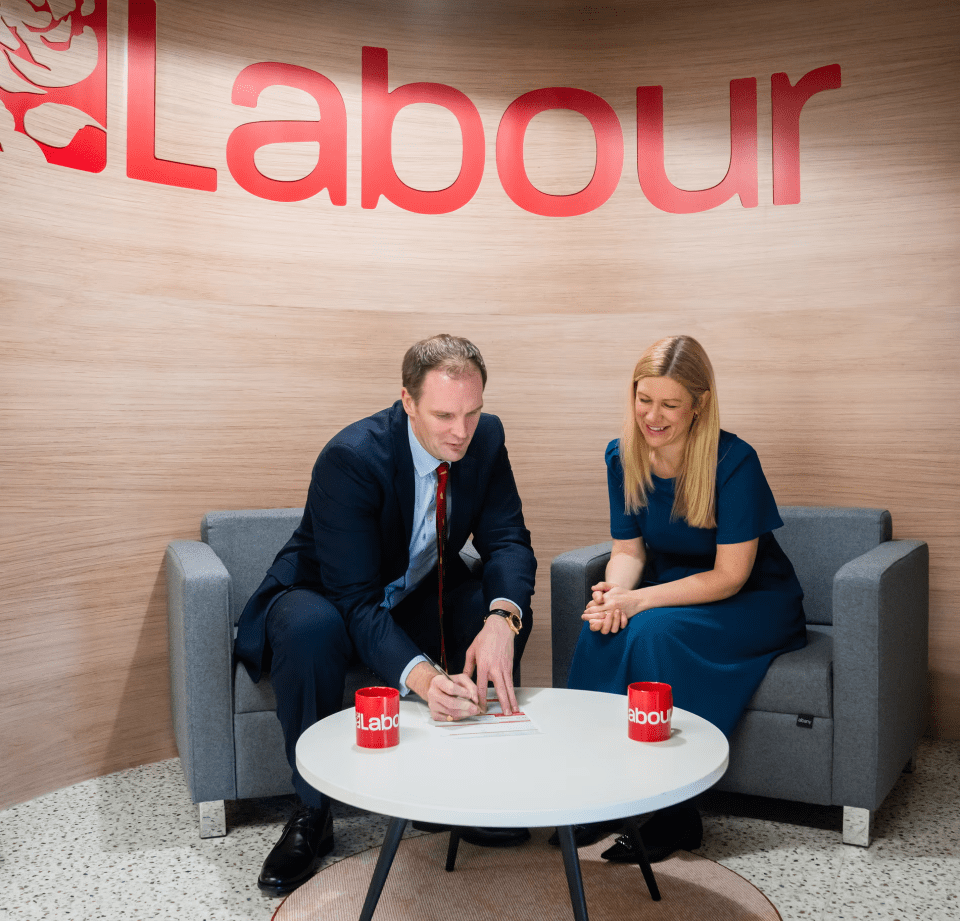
[[697, 593]]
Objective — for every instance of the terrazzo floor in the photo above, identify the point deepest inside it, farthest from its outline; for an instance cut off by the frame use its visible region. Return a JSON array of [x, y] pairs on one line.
[[126, 846]]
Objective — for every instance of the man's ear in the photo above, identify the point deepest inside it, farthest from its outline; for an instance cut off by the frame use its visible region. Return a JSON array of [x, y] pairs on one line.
[[408, 401]]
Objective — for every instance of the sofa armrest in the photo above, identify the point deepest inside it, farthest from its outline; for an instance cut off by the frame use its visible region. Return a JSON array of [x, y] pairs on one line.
[[881, 625], [201, 668], [571, 576]]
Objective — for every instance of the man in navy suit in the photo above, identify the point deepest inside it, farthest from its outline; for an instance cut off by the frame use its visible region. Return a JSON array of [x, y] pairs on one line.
[[358, 580]]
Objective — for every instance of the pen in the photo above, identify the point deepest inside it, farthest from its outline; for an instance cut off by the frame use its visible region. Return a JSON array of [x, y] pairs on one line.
[[430, 661]]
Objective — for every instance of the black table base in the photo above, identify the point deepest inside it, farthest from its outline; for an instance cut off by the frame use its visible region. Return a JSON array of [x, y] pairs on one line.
[[568, 847]]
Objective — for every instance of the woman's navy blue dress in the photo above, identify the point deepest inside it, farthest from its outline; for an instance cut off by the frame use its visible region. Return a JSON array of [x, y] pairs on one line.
[[713, 655]]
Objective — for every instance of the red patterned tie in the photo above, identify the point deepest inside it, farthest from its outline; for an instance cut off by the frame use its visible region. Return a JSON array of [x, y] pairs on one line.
[[442, 472]]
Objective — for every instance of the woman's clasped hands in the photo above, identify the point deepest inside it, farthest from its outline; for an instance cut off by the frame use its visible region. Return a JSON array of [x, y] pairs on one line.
[[610, 608]]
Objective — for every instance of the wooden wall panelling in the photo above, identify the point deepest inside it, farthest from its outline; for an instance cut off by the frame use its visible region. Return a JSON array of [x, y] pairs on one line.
[[165, 351]]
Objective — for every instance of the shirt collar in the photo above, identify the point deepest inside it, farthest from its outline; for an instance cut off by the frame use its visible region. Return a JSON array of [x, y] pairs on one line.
[[423, 461]]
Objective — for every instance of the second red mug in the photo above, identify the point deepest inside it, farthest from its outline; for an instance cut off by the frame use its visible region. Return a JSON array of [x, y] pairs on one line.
[[649, 711]]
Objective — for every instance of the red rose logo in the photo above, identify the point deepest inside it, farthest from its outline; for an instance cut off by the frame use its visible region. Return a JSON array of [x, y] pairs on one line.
[[53, 81]]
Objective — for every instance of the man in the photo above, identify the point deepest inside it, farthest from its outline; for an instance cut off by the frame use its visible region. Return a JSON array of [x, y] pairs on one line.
[[359, 579]]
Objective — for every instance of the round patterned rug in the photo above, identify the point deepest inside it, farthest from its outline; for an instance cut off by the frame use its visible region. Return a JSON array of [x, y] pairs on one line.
[[525, 883]]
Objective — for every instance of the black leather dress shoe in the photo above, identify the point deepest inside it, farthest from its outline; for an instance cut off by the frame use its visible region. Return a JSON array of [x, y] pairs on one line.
[[585, 835], [677, 828], [306, 840]]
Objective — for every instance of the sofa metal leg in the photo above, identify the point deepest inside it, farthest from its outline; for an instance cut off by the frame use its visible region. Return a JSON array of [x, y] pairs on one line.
[[213, 819], [856, 826]]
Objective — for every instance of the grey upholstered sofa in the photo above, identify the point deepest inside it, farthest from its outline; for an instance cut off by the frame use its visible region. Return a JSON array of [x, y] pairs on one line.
[[861, 677], [226, 729]]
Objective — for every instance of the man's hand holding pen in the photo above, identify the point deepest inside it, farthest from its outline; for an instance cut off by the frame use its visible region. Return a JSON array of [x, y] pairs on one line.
[[449, 697], [453, 697]]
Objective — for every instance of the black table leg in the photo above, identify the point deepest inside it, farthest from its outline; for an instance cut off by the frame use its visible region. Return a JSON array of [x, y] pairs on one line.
[[633, 831], [571, 863], [452, 848], [391, 841]]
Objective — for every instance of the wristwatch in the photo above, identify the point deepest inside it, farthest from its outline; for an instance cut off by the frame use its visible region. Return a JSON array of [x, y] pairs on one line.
[[513, 620]]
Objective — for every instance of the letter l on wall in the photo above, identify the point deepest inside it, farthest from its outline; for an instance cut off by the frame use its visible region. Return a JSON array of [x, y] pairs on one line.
[[142, 161]]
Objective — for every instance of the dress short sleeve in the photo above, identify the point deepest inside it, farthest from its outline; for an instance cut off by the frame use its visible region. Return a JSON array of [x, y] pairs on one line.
[[746, 507], [623, 526]]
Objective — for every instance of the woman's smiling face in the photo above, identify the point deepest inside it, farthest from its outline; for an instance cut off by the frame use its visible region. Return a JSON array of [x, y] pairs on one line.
[[664, 412]]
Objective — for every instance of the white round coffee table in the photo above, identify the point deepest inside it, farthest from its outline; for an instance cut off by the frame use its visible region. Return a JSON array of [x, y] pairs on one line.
[[581, 767]]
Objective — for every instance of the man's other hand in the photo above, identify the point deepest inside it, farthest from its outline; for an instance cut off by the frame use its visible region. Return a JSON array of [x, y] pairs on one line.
[[491, 654]]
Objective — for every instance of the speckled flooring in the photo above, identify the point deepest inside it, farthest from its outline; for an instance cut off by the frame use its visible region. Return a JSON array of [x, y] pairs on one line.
[[126, 846]]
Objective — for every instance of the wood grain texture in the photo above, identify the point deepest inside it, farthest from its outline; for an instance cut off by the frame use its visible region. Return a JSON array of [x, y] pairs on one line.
[[165, 352]]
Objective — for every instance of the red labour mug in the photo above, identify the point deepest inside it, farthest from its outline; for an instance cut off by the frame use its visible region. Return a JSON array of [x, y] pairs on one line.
[[649, 711], [378, 717]]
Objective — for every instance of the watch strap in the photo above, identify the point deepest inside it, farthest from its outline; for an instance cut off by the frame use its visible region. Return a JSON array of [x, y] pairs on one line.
[[513, 620]]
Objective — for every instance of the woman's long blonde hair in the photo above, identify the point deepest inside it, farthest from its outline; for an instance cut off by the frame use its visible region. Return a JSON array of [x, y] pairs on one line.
[[682, 359]]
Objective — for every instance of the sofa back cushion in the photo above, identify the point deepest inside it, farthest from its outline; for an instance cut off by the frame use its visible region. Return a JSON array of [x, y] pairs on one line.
[[246, 542], [819, 541]]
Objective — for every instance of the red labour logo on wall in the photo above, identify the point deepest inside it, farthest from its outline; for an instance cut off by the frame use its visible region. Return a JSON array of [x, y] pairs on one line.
[[53, 102], [53, 81]]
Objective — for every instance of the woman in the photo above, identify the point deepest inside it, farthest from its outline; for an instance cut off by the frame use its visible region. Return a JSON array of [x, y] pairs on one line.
[[697, 593]]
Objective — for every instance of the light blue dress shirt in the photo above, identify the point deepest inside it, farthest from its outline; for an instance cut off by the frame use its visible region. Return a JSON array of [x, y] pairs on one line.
[[423, 540]]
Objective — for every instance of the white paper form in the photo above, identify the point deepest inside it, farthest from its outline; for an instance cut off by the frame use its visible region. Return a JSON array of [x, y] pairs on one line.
[[487, 725]]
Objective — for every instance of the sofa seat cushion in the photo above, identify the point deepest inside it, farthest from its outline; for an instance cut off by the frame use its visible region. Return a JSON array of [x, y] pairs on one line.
[[249, 697], [802, 681]]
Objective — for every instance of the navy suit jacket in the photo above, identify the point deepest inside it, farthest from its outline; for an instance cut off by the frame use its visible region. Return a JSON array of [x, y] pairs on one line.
[[354, 538]]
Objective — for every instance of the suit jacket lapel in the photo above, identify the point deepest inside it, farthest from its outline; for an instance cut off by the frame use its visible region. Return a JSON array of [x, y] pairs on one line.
[[464, 488], [403, 472]]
